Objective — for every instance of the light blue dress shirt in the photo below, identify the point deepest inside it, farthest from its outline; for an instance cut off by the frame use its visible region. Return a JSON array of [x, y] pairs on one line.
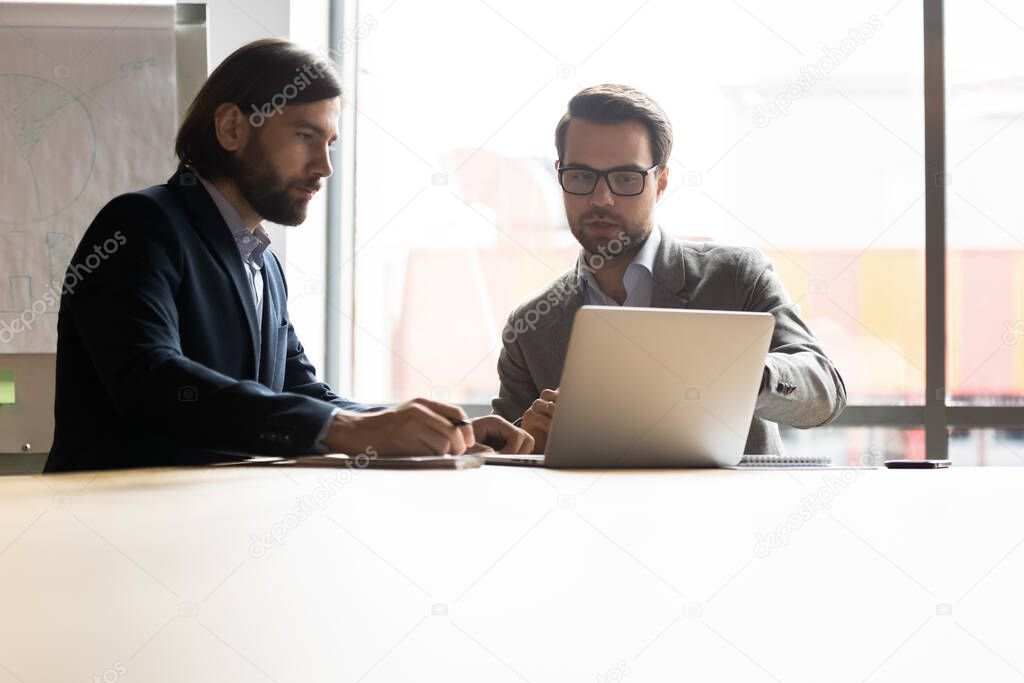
[[251, 245], [638, 278]]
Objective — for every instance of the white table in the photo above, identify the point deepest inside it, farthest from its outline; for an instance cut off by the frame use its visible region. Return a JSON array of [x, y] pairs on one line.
[[512, 574]]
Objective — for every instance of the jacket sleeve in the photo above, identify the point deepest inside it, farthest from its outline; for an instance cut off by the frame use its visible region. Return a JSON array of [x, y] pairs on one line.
[[125, 314], [517, 390], [802, 387], [300, 378]]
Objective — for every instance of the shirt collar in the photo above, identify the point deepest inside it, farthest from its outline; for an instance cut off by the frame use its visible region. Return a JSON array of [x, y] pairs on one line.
[[643, 259], [251, 245]]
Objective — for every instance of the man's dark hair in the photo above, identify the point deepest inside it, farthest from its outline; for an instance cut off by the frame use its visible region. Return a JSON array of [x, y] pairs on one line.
[[612, 103], [261, 78]]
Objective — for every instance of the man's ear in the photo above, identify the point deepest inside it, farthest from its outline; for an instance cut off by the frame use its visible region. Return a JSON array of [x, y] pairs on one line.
[[230, 126], [662, 181]]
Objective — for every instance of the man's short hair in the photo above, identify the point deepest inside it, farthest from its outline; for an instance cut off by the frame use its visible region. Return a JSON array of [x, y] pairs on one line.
[[612, 103], [261, 78]]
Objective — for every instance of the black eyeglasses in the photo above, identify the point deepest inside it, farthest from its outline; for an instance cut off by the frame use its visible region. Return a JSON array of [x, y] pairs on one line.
[[575, 180]]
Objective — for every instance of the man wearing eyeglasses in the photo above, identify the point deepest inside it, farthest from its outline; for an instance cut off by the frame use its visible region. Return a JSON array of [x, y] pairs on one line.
[[613, 145]]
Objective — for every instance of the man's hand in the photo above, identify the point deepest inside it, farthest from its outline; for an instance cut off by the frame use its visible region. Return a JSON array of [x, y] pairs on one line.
[[501, 435], [537, 418], [419, 427]]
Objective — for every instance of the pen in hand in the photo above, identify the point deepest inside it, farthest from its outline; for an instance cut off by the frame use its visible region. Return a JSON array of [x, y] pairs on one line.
[[477, 447]]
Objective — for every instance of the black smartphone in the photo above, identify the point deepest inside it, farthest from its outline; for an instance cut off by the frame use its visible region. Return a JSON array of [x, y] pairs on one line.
[[917, 464]]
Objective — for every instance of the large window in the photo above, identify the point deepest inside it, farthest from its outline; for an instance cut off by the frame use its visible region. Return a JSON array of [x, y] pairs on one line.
[[799, 129], [985, 105]]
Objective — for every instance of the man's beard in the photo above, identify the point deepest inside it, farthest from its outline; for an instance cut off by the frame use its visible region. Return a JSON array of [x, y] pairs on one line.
[[267, 193], [624, 243]]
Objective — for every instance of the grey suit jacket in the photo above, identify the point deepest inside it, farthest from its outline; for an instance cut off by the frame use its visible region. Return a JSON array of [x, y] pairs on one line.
[[803, 388]]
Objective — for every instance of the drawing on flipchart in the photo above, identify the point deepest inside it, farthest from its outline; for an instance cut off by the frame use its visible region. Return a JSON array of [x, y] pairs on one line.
[[73, 135], [34, 110]]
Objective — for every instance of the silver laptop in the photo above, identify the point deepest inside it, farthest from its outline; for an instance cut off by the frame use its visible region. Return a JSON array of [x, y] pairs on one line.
[[652, 387]]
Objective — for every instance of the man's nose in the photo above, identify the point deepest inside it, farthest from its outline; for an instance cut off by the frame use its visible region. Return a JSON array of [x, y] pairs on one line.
[[602, 194], [322, 164]]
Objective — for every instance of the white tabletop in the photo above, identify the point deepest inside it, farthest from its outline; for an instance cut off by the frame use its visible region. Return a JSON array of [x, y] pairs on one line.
[[512, 574]]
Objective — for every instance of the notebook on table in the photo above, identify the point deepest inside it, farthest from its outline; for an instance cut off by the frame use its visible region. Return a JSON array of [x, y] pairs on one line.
[[420, 462], [774, 460]]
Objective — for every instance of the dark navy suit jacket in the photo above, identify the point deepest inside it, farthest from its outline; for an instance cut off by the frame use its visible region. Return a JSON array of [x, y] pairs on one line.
[[159, 357]]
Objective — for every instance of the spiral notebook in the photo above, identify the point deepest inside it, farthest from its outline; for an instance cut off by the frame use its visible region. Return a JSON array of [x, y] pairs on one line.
[[773, 460]]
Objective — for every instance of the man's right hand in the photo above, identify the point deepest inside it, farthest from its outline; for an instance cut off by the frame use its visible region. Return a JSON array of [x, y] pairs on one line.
[[419, 427], [537, 418]]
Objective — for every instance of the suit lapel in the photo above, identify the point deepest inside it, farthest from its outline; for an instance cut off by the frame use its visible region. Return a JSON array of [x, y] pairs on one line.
[[562, 316], [214, 231], [669, 274]]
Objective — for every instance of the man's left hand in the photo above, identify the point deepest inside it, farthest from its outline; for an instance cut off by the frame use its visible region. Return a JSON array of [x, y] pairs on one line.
[[501, 435]]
